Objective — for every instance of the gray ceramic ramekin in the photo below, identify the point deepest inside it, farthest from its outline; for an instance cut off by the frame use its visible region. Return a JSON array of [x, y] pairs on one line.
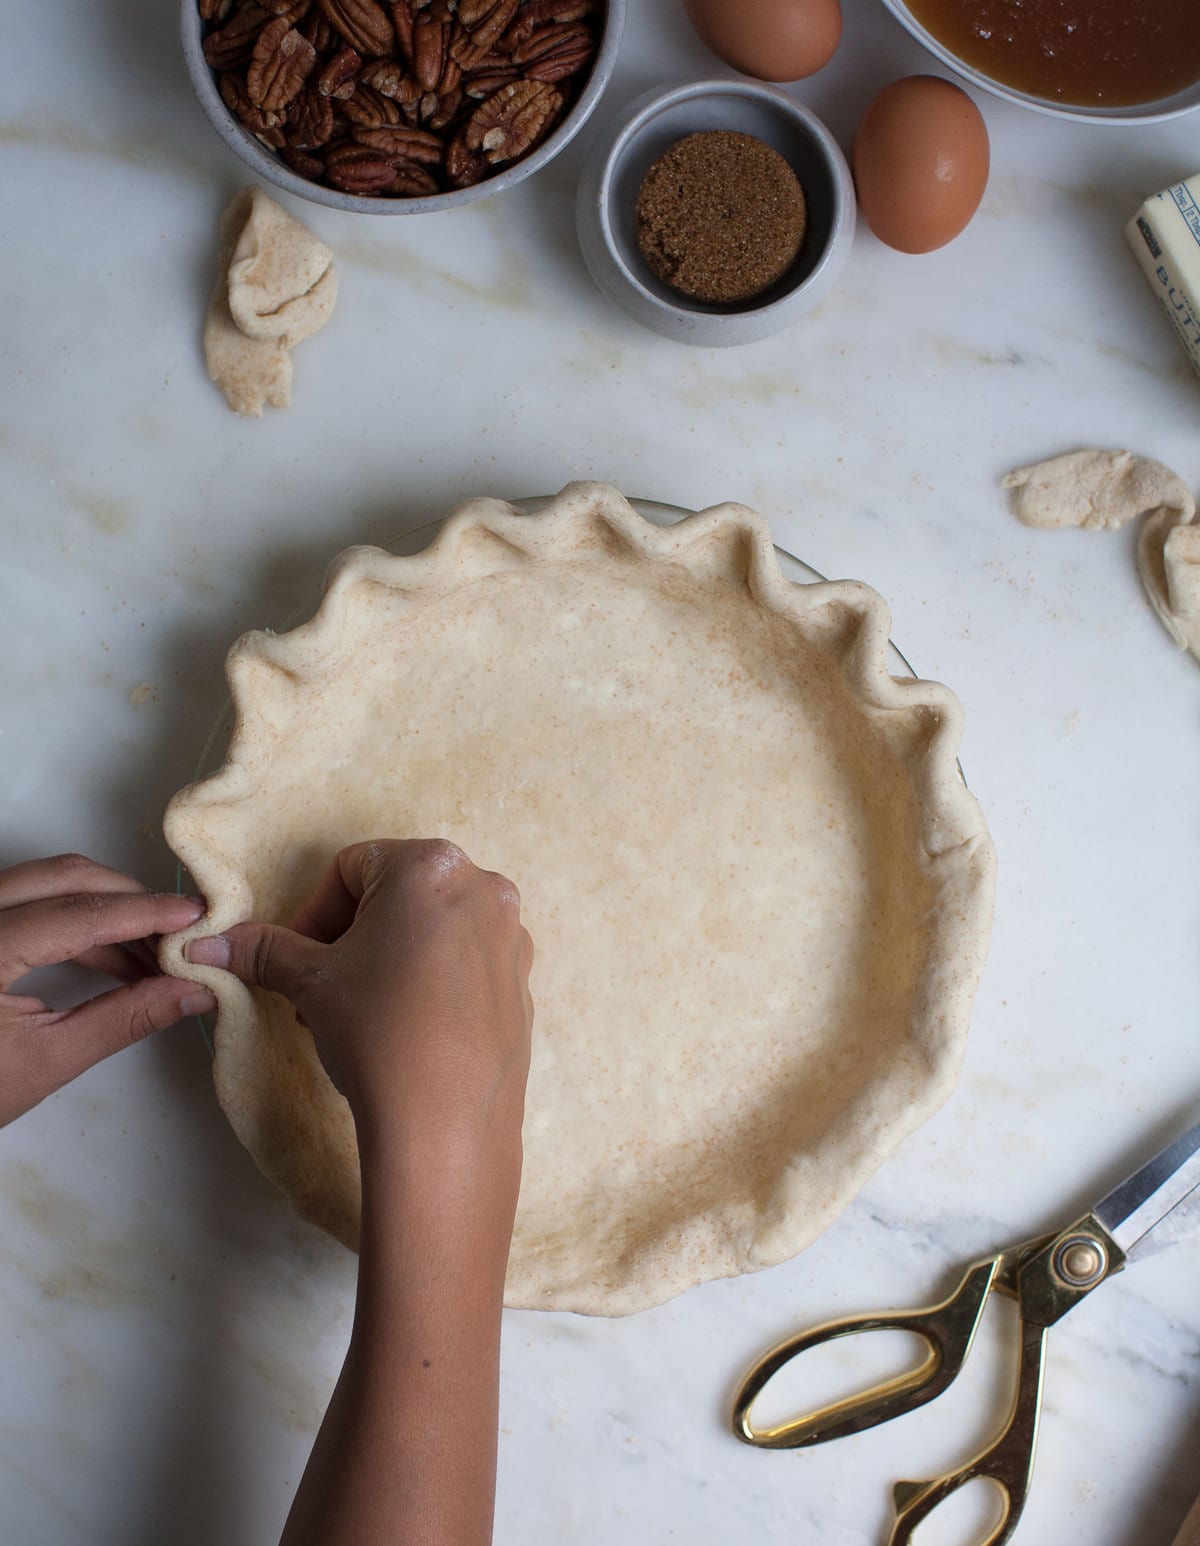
[[267, 165], [609, 188]]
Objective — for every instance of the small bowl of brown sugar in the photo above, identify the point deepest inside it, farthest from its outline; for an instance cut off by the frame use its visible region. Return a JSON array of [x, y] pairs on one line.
[[719, 213]]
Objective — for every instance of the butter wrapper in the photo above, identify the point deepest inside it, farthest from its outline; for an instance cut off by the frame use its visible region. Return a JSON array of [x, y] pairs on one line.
[[1165, 238]]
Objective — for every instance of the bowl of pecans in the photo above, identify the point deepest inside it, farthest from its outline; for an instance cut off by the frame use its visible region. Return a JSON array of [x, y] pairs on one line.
[[392, 107]]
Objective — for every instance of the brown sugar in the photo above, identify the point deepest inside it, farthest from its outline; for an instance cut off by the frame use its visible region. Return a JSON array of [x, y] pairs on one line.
[[720, 216]]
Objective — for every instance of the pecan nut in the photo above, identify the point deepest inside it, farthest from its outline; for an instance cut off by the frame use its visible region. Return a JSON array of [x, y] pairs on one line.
[[512, 120], [553, 52], [403, 19], [233, 43], [340, 75], [533, 14], [319, 33], [389, 78], [264, 125], [358, 169], [414, 181], [431, 45], [304, 162], [444, 110], [363, 24], [282, 61], [403, 144], [464, 167], [310, 123], [367, 109], [489, 75], [482, 23]]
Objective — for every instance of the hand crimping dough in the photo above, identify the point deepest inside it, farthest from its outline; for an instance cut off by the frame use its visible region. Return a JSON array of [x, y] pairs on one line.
[[760, 892], [276, 285], [1107, 489]]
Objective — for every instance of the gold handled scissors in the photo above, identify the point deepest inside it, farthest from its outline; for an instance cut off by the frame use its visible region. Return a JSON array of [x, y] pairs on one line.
[[1047, 1277]]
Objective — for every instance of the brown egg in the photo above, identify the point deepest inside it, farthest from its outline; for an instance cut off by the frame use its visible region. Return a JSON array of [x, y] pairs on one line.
[[774, 40], [920, 163]]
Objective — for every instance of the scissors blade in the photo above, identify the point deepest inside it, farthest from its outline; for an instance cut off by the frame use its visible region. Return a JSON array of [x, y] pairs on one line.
[[1139, 1204], [1182, 1223]]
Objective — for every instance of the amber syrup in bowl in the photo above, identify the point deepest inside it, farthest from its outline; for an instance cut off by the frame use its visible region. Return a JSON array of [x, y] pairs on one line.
[[1091, 53]]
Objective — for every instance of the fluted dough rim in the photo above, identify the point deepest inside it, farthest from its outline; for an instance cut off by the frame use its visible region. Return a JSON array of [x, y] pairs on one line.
[[846, 617]]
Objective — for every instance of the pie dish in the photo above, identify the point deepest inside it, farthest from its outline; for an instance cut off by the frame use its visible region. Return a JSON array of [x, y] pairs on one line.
[[760, 891]]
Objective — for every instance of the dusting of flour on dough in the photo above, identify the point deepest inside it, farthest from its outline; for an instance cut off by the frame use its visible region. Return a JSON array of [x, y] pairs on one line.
[[1100, 490], [276, 285]]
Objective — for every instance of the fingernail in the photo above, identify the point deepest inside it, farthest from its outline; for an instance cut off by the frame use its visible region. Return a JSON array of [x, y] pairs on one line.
[[200, 1002], [196, 903], [212, 950]]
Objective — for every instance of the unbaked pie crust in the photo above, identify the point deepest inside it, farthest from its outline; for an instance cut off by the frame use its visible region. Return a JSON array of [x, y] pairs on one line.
[[760, 891]]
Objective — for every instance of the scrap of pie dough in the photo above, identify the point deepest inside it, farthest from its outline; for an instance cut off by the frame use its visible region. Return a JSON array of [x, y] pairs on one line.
[[276, 285], [1169, 564], [759, 890], [282, 282], [1107, 489], [1093, 489]]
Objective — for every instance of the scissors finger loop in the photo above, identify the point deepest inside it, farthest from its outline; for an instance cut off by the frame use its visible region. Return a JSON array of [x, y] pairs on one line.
[[1007, 1463], [947, 1329]]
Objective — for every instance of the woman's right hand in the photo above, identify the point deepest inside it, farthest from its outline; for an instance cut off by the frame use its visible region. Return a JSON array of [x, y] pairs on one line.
[[411, 968]]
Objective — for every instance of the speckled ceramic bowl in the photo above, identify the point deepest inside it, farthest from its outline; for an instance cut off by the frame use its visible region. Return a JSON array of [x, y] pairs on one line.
[[609, 188], [264, 163], [1185, 101]]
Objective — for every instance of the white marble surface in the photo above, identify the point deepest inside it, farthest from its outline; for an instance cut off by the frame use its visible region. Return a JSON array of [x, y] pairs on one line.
[[168, 1332]]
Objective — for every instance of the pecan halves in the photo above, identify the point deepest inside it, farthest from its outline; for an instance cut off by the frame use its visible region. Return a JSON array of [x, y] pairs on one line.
[[340, 75], [403, 143], [282, 61], [403, 17], [444, 111], [553, 52], [536, 13], [489, 75], [304, 162], [399, 98], [481, 25], [266, 126], [464, 167], [364, 25], [388, 77], [367, 109], [358, 169], [310, 123], [319, 33], [512, 120], [431, 45], [414, 182], [233, 43]]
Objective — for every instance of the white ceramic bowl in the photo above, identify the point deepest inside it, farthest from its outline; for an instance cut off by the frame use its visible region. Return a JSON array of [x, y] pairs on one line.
[[267, 165], [608, 194], [1185, 101]]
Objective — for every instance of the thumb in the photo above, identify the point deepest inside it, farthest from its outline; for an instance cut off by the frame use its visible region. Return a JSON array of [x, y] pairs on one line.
[[263, 955]]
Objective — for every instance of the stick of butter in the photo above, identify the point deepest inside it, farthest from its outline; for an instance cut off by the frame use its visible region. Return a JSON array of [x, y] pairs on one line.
[[1165, 237]]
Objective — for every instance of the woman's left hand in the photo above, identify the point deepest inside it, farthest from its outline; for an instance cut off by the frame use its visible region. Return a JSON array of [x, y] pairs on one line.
[[71, 909]]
